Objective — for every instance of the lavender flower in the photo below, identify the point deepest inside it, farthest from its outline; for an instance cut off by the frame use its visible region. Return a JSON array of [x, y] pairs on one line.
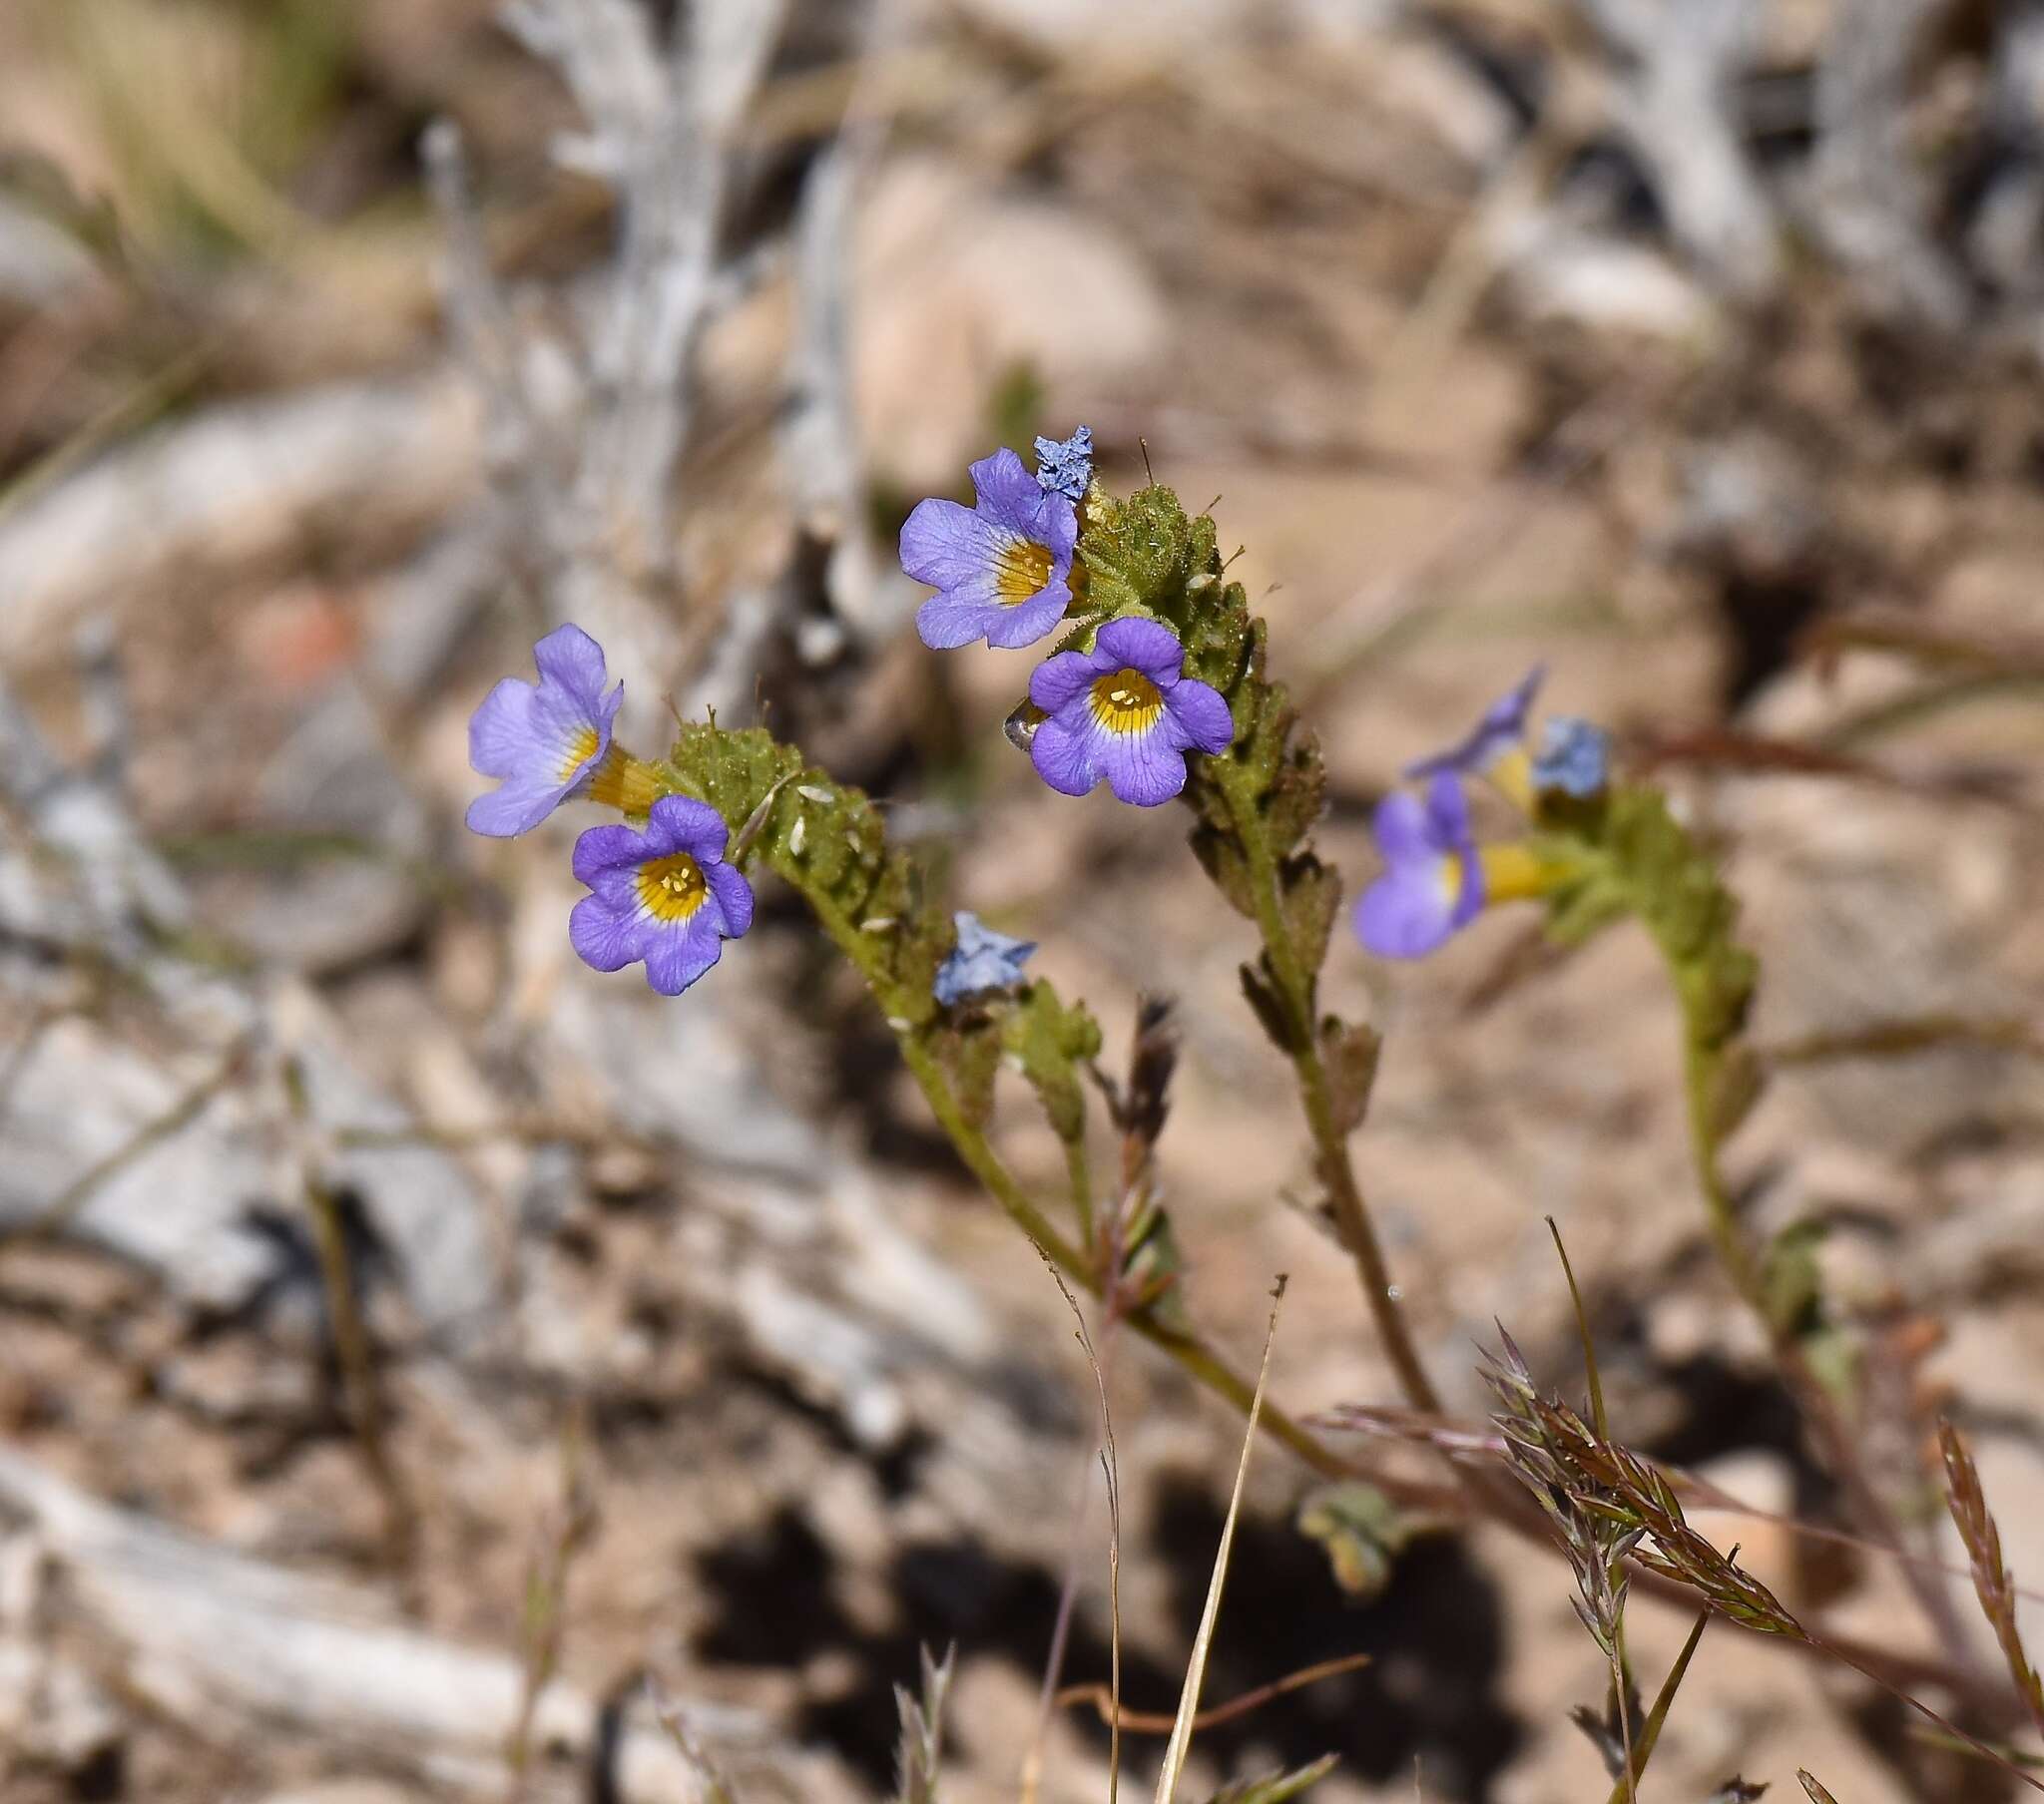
[[1433, 878], [665, 895], [1064, 467], [1125, 713], [983, 960], [1575, 757], [543, 740], [1002, 569], [1500, 732]]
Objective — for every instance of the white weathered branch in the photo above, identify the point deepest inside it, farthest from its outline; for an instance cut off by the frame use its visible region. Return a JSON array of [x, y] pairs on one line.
[[227, 1643]]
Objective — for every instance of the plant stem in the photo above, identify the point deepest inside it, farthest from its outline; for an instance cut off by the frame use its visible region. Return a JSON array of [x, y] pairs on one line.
[[1703, 1067], [1081, 1175], [1191, 1353], [1295, 989]]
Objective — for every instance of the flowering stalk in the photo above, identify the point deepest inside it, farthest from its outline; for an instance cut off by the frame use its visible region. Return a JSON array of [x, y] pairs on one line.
[[827, 841], [1624, 853], [1257, 801]]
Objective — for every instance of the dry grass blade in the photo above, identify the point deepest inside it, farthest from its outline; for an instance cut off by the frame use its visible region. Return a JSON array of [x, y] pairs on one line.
[[922, 1730], [1607, 1592], [1196, 1673], [1818, 1794], [1112, 1715], [717, 1788], [1581, 1478], [546, 1599], [1597, 1414], [1992, 1582]]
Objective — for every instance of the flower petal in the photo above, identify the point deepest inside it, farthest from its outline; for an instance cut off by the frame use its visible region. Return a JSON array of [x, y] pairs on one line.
[[605, 938], [1064, 757], [504, 735], [610, 848], [1066, 465], [571, 660], [981, 961], [515, 809], [1144, 769], [1140, 644], [1061, 679], [1402, 828], [734, 898], [1201, 713], [1010, 496], [1447, 816], [956, 618], [944, 544], [1502, 726], [1406, 912], [1027, 622], [678, 955], [680, 824]]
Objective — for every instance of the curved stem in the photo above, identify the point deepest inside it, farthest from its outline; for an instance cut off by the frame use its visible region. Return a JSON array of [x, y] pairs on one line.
[[1192, 1354], [1295, 989], [1703, 1067]]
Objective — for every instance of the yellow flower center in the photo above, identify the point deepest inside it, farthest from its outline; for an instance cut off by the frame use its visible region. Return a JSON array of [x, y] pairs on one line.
[[1021, 569], [672, 888], [1126, 701], [582, 745]]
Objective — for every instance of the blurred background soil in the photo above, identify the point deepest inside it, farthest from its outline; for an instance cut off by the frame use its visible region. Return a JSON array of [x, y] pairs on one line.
[[1692, 350]]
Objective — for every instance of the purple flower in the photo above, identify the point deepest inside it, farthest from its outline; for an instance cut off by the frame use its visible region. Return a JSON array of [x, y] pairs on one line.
[[1501, 731], [1124, 713], [1433, 879], [544, 739], [1575, 757], [665, 895], [1064, 466], [1002, 570], [982, 960]]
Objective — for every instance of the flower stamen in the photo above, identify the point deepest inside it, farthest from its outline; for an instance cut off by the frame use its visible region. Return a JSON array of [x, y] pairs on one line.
[[1021, 571], [1126, 701], [672, 888]]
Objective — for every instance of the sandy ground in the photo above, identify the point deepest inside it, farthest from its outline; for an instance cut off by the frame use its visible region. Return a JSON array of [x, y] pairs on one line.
[[708, 1265]]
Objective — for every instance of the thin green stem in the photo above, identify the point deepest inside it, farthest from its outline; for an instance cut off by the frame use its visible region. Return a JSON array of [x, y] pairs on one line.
[[1650, 1733], [1081, 1175], [1191, 1353], [1296, 988], [1703, 1071], [969, 1141]]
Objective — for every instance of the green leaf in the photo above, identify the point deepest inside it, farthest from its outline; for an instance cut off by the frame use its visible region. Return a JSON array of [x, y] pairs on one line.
[[827, 840], [1275, 1788], [1628, 854], [1220, 856], [1143, 552], [1155, 1266], [1051, 1043], [970, 1053]]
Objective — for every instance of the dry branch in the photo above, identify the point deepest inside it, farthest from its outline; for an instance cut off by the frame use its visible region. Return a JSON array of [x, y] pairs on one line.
[[242, 485], [226, 1643]]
